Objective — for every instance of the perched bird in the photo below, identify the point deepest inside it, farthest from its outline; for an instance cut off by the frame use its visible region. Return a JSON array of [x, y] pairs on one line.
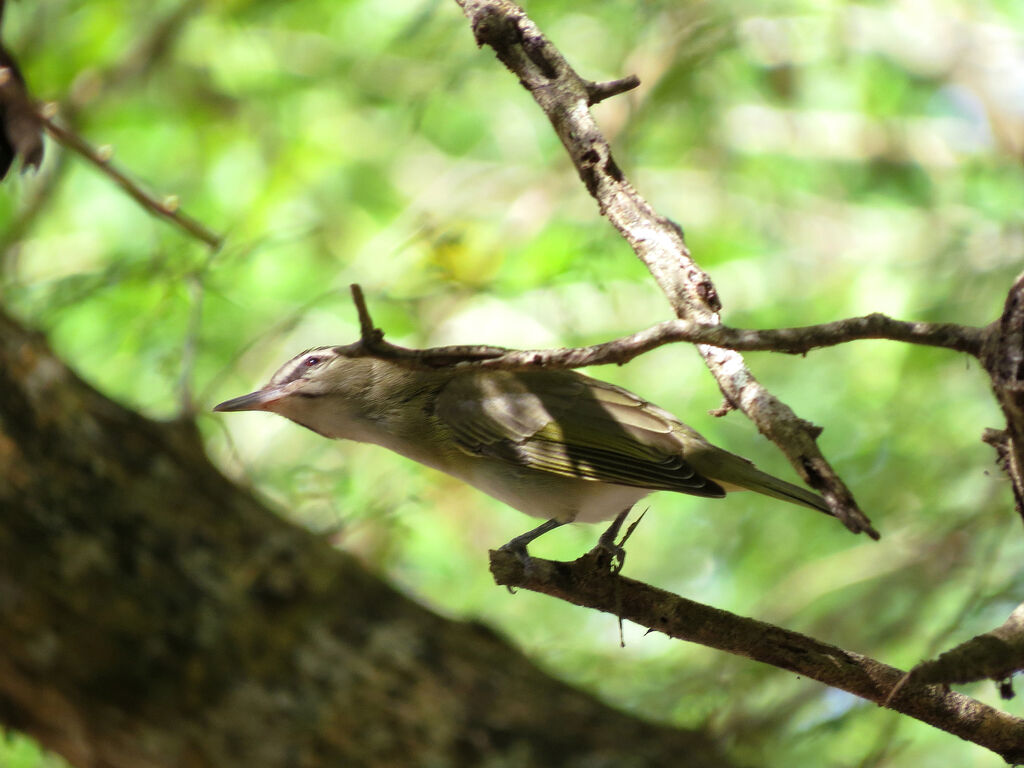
[[556, 445]]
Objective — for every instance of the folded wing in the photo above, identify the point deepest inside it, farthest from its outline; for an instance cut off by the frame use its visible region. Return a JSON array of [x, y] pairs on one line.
[[569, 424]]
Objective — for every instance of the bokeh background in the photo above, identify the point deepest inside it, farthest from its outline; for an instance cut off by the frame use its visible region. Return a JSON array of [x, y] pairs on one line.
[[825, 159]]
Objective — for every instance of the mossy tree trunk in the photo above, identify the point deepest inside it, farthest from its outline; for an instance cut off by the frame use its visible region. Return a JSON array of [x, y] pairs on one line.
[[154, 614]]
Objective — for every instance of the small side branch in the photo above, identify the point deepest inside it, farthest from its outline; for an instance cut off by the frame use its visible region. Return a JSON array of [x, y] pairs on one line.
[[996, 655], [368, 334], [372, 344], [586, 583], [598, 92]]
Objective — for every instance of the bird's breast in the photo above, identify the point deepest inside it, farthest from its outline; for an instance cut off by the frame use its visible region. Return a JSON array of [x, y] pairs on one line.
[[546, 495]]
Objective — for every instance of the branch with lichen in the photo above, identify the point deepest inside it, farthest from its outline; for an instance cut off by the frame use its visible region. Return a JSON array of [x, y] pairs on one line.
[[565, 98], [589, 582]]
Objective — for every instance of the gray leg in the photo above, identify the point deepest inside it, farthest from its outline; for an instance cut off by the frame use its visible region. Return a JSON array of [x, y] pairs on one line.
[[607, 540], [518, 544]]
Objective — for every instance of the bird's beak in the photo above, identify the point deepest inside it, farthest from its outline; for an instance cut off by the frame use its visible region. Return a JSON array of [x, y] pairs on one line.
[[254, 401]]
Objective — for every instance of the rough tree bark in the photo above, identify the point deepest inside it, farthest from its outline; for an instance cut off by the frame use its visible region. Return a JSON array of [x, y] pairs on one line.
[[153, 614]]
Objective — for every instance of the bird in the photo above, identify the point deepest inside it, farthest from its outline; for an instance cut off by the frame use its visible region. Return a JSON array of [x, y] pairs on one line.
[[554, 444]]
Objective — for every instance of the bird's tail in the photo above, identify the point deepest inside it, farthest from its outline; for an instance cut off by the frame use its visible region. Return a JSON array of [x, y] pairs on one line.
[[780, 489], [741, 475]]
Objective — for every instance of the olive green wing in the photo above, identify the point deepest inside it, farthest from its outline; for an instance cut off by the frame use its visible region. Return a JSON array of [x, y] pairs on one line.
[[569, 424]]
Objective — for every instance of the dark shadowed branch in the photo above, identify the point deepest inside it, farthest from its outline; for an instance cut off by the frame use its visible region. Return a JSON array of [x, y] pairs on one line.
[[995, 655], [590, 583]]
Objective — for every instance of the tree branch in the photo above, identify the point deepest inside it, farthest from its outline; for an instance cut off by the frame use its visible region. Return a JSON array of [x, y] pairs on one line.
[[619, 351], [588, 582], [598, 92], [166, 209], [996, 655], [564, 97], [1003, 358], [148, 53]]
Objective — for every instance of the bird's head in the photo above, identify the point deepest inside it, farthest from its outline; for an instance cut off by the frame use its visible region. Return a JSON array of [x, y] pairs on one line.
[[312, 389]]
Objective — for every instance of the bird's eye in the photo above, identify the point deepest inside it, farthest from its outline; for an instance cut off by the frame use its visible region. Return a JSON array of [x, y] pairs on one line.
[[310, 361]]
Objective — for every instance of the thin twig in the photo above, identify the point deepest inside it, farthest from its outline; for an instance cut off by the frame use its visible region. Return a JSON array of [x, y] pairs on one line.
[[598, 92], [619, 351], [167, 209], [148, 54], [367, 333]]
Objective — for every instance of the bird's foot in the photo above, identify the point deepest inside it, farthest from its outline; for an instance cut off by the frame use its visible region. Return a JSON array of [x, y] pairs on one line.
[[517, 546], [607, 544]]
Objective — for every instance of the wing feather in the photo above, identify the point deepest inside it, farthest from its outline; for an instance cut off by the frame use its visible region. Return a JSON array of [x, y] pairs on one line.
[[569, 424]]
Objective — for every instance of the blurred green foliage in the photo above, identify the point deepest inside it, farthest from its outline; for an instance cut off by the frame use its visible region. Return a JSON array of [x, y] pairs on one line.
[[826, 159]]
